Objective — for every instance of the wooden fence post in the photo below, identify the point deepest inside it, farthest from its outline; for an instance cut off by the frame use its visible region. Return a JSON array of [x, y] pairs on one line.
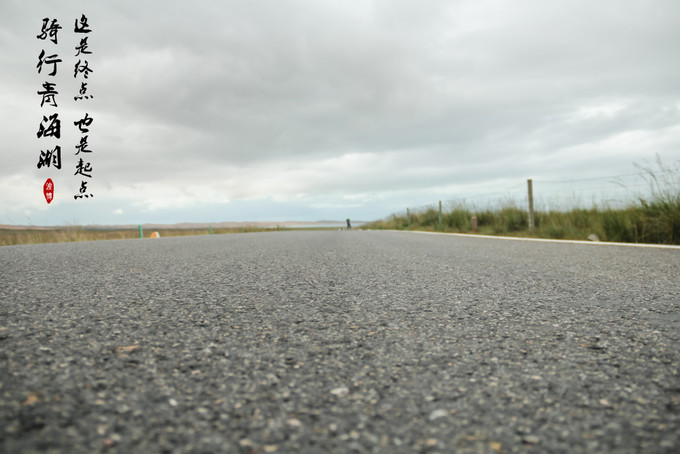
[[440, 213], [531, 204]]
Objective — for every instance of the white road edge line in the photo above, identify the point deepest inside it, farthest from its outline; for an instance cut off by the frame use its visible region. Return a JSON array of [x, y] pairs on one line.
[[544, 240]]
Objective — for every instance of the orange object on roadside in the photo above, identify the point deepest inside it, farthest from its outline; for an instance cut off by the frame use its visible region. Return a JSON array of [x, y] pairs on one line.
[[155, 235]]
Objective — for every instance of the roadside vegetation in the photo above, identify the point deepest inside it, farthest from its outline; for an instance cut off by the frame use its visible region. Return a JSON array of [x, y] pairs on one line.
[[71, 234], [78, 233], [652, 219]]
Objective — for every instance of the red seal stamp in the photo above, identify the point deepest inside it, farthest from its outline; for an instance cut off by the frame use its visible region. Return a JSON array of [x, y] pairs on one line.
[[48, 190]]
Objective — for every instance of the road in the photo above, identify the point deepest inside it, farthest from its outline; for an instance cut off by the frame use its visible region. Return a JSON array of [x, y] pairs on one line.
[[338, 341]]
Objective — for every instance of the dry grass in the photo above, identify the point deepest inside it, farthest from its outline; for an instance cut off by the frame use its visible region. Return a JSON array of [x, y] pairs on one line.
[[73, 234]]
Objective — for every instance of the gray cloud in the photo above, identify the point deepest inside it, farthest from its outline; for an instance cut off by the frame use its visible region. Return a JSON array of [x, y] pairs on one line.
[[200, 95]]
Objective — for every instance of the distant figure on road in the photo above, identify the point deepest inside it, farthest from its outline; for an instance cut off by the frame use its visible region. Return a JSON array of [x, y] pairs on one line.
[[349, 226]]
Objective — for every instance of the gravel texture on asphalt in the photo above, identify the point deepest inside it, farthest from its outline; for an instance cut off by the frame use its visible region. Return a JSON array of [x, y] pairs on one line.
[[338, 341]]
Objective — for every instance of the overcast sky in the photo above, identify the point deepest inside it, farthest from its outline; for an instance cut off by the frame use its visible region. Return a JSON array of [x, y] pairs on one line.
[[310, 109]]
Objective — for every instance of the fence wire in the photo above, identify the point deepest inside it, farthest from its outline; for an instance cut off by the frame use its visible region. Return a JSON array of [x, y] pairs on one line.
[[612, 191]]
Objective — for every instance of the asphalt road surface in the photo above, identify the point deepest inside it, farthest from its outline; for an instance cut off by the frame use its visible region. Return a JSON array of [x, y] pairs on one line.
[[338, 341]]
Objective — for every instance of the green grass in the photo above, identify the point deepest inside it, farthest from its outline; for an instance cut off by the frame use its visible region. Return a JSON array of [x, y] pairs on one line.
[[647, 222], [654, 219]]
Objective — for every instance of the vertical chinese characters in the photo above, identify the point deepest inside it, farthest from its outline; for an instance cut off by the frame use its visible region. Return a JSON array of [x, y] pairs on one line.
[[50, 126], [82, 72], [49, 129]]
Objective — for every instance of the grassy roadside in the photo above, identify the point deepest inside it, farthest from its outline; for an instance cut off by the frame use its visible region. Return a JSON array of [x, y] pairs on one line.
[[9, 237], [645, 223], [641, 224], [654, 219], [73, 234]]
